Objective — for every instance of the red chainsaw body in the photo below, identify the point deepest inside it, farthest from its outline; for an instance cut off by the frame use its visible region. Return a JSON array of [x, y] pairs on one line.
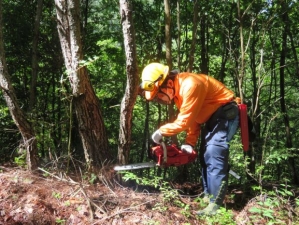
[[175, 156]]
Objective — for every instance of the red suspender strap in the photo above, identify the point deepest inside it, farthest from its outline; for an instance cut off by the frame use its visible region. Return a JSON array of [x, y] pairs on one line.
[[244, 126]]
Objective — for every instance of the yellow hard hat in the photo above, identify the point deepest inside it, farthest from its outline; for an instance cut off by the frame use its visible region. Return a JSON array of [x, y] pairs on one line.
[[153, 75]]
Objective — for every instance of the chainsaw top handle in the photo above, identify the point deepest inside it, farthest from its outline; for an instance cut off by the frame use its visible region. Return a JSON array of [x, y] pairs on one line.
[[162, 143]]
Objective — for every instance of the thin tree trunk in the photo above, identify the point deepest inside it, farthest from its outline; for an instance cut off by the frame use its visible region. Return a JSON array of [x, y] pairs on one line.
[[168, 33], [194, 37], [86, 105], [25, 128], [282, 94], [167, 13], [203, 43], [146, 142], [287, 23], [128, 101], [225, 53], [34, 54], [242, 54], [251, 152], [179, 35], [241, 77]]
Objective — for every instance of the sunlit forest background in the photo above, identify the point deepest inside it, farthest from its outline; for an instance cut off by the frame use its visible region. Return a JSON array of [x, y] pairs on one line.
[[256, 42]]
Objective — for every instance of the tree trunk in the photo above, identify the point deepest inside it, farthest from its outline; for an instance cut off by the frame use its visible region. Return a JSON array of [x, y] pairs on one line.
[[287, 23], [86, 105], [225, 49], [179, 35], [171, 111], [282, 93], [203, 43], [241, 73], [251, 152], [131, 92], [168, 33], [34, 54], [25, 128], [194, 37]]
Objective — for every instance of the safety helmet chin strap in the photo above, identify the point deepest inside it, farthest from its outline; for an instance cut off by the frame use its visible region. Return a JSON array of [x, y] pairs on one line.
[[163, 98], [166, 92]]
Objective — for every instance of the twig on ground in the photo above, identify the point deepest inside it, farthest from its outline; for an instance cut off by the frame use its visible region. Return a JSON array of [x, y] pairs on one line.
[[90, 202], [104, 181], [127, 210], [57, 177]]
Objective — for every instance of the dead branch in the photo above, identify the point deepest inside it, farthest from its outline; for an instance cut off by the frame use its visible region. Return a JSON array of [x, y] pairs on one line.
[[126, 210]]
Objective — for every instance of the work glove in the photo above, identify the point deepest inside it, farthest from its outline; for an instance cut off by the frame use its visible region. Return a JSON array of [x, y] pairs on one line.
[[157, 137], [187, 148]]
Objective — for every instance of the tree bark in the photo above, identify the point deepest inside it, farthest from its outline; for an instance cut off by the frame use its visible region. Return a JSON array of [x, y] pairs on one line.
[[131, 91], [86, 105], [18, 116]]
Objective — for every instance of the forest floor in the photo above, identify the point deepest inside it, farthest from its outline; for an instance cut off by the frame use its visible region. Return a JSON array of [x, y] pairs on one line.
[[53, 198]]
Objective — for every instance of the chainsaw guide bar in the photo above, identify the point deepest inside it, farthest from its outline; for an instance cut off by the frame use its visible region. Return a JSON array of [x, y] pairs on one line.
[[135, 166]]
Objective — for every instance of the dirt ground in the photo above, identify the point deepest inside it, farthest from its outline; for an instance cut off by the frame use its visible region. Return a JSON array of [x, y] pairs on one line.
[[46, 198]]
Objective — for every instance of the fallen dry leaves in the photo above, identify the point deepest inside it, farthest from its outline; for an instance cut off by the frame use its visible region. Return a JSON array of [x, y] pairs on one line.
[[27, 198]]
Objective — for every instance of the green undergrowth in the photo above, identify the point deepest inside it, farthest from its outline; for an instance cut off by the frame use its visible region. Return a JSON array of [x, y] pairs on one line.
[[276, 206]]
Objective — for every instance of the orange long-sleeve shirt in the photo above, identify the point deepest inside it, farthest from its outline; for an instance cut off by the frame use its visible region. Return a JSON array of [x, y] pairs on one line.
[[197, 96]]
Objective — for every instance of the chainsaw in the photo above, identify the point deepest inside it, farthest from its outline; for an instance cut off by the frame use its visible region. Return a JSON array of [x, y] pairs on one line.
[[163, 156], [166, 156]]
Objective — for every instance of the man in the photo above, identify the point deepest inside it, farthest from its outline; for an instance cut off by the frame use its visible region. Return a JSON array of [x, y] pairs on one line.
[[200, 99]]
